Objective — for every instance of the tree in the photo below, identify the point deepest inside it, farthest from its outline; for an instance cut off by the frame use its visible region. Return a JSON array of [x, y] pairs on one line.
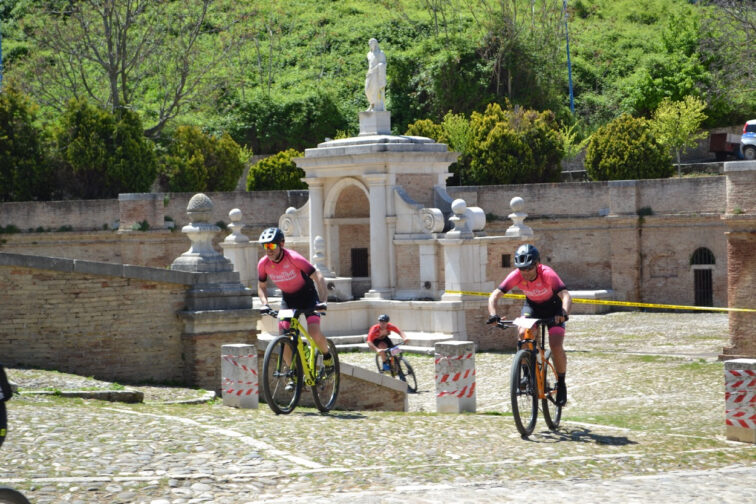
[[625, 149], [522, 45], [513, 146], [676, 124], [276, 172], [148, 55], [25, 173], [196, 162], [729, 45], [103, 154]]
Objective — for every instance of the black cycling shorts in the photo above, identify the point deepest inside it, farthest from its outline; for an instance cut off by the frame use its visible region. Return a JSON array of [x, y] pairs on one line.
[[545, 310]]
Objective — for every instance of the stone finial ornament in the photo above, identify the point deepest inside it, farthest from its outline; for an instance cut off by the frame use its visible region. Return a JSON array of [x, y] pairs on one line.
[[518, 228], [201, 256]]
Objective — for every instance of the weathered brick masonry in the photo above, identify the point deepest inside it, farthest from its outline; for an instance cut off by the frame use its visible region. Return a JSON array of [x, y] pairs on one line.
[[115, 322]]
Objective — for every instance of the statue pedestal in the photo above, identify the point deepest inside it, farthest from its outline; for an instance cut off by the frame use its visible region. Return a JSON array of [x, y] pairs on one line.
[[375, 123]]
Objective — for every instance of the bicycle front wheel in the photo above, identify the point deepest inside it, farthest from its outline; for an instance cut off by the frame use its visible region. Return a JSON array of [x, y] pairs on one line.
[[407, 374], [282, 382], [10, 496], [552, 413], [326, 387], [523, 392]]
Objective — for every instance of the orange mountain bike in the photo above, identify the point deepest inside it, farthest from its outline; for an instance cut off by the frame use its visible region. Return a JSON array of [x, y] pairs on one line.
[[533, 377]]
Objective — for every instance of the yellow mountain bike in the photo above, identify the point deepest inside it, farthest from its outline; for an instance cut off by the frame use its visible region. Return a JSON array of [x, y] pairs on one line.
[[532, 377], [291, 361]]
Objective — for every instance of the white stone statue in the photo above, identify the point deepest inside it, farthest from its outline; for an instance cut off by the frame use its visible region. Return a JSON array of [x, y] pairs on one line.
[[375, 79]]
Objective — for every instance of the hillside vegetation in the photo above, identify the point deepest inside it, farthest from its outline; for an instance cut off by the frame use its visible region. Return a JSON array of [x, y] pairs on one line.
[[281, 74]]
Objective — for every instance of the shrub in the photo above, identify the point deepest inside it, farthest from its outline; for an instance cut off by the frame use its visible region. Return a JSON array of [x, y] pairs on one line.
[[269, 125], [101, 154], [514, 146], [25, 172], [195, 161], [276, 172], [625, 149]]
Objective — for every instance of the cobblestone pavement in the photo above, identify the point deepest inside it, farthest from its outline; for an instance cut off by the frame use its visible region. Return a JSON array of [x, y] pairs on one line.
[[645, 423]]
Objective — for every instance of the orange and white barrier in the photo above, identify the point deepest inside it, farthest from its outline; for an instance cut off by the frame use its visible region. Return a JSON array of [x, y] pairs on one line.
[[455, 377], [740, 400], [239, 381]]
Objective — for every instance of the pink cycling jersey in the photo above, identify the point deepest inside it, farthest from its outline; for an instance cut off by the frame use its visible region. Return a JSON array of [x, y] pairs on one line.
[[287, 273], [543, 288]]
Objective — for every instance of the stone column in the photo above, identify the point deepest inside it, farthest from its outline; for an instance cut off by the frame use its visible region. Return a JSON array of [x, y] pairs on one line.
[[240, 251], [455, 377], [379, 239], [239, 376], [317, 225], [741, 257], [465, 258]]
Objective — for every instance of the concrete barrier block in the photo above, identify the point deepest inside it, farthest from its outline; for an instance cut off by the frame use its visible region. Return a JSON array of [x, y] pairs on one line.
[[455, 377], [239, 376], [740, 400]]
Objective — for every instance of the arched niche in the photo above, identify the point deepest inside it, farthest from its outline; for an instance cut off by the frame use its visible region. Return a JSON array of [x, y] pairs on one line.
[[347, 222]]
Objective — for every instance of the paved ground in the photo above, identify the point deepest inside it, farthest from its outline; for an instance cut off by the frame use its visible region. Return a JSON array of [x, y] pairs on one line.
[[645, 423]]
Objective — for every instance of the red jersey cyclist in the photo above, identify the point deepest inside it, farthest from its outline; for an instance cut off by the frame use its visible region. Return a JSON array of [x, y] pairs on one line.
[[378, 337], [302, 286], [546, 296]]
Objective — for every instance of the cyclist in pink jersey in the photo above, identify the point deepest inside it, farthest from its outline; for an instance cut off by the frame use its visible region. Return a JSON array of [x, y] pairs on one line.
[[302, 286], [546, 296]]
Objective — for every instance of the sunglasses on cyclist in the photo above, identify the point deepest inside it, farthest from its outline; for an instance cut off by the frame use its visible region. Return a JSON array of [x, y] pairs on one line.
[[270, 246], [529, 268]]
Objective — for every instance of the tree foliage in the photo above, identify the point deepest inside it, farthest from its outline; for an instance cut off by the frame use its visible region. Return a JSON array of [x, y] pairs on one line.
[[625, 149], [150, 55], [195, 161], [276, 172], [25, 172], [268, 125], [676, 124], [103, 154], [514, 145]]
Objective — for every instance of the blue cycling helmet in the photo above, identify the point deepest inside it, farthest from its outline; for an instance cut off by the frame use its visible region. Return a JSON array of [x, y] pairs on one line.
[[383, 318], [271, 235], [526, 256]]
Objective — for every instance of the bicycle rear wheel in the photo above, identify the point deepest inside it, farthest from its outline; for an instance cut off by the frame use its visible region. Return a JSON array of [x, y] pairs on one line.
[[523, 392], [407, 374], [282, 382], [10, 496], [326, 387], [552, 413]]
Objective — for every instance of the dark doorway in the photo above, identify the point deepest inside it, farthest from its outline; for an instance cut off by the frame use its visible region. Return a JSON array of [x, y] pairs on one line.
[[359, 262], [703, 287], [702, 282]]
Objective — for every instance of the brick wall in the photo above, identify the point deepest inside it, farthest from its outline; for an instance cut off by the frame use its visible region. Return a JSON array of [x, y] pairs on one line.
[[105, 326]]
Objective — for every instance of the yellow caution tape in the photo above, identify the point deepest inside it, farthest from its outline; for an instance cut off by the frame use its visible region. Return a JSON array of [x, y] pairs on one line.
[[617, 303]]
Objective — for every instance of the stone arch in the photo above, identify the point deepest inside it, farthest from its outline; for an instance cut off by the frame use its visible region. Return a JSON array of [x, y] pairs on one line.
[[702, 263], [346, 211], [334, 194]]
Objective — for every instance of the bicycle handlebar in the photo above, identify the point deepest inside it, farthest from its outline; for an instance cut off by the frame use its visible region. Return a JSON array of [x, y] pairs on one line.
[[320, 308], [506, 324]]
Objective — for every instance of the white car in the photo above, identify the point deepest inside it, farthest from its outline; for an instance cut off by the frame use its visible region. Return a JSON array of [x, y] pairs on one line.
[[748, 141]]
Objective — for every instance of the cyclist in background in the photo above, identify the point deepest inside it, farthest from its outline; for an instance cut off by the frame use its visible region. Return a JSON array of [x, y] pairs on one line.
[[300, 283], [546, 296], [378, 337]]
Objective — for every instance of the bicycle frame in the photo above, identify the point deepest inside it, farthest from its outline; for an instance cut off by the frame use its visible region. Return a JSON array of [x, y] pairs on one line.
[[531, 338], [306, 353]]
